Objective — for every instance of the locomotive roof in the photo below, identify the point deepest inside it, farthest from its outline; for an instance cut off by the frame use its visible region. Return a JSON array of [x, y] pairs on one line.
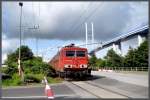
[[74, 47]]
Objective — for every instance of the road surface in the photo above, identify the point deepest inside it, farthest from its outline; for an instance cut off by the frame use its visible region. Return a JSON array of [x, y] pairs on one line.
[[101, 85]]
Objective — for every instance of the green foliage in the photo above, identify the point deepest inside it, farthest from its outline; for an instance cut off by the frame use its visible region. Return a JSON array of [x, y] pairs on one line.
[[33, 78], [37, 66], [34, 67], [14, 81], [54, 80], [31, 64], [142, 54], [26, 53], [92, 61], [101, 63], [137, 57], [12, 59], [134, 58], [129, 60], [113, 59]]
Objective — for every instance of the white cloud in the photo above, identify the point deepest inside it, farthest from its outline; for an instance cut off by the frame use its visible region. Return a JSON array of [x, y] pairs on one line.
[[62, 20], [139, 15], [8, 46]]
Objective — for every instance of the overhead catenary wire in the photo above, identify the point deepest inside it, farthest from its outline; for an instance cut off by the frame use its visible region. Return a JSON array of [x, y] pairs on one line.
[[35, 21], [90, 15], [76, 21], [25, 27], [37, 38], [33, 14]]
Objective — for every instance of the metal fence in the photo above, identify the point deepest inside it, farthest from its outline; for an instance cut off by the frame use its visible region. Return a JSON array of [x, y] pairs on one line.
[[122, 68]]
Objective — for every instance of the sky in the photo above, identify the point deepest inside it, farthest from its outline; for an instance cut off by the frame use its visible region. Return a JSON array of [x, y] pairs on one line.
[[62, 23]]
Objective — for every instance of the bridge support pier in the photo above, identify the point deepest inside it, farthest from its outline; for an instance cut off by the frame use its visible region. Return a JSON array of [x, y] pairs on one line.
[[140, 39], [117, 48]]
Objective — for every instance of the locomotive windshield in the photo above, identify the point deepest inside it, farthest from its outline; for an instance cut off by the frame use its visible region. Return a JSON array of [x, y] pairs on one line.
[[75, 53], [70, 53], [80, 53]]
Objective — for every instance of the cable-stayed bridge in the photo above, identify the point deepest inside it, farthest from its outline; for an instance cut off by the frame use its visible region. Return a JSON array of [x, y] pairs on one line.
[[139, 35]]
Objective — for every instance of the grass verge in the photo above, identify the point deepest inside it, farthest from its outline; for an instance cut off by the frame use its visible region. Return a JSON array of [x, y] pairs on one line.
[[29, 80]]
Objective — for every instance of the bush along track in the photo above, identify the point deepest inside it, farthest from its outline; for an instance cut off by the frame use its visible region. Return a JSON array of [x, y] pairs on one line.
[[34, 69]]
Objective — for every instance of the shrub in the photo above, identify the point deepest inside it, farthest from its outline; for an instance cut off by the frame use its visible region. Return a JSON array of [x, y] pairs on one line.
[[54, 80], [6, 76], [30, 78], [14, 81], [7, 82]]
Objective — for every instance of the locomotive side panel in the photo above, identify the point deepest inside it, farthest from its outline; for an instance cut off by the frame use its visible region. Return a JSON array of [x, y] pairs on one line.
[[57, 62], [54, 62]]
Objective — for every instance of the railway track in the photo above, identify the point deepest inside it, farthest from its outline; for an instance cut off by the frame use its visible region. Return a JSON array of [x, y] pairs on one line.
[[97, 91], [108, 90]]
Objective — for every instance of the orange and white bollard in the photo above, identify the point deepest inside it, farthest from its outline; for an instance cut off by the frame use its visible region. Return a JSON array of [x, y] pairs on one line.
[[48, 91]]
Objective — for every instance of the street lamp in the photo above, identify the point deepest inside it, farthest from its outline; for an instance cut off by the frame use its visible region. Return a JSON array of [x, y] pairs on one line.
[[19, 60]]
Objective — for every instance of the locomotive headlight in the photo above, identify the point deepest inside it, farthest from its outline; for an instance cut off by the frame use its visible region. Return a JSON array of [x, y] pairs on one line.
[[68, 66], [83, 66]]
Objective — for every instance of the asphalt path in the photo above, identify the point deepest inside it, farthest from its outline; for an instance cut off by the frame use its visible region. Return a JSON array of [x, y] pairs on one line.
[[60, 90], [67, 90], [131, 78]]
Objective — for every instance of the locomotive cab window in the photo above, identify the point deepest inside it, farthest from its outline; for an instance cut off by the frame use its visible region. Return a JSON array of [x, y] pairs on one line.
[[80, 53], [70, 53]]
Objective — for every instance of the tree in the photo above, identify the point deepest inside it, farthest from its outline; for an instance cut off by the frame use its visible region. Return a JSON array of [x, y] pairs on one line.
[[129, 60], [142, 54], [113, 59], [26, 53], [137, 57], [30, 63], [92, 61], [100, 62], [12, 59]]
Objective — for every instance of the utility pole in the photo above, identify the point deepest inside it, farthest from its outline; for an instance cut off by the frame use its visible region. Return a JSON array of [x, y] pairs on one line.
[[92, 35], [37, 42], [89, 35], [86, 34], [20, 68], [59, 57], [36, 46]]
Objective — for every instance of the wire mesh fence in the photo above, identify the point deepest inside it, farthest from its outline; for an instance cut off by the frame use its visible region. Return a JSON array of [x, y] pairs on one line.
[[121, 68]]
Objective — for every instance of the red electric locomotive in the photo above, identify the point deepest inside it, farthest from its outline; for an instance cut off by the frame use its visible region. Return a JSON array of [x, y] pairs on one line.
[[71, 61]]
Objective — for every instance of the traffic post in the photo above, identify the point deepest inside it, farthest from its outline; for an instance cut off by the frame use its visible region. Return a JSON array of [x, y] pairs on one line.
[[48, 91]]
